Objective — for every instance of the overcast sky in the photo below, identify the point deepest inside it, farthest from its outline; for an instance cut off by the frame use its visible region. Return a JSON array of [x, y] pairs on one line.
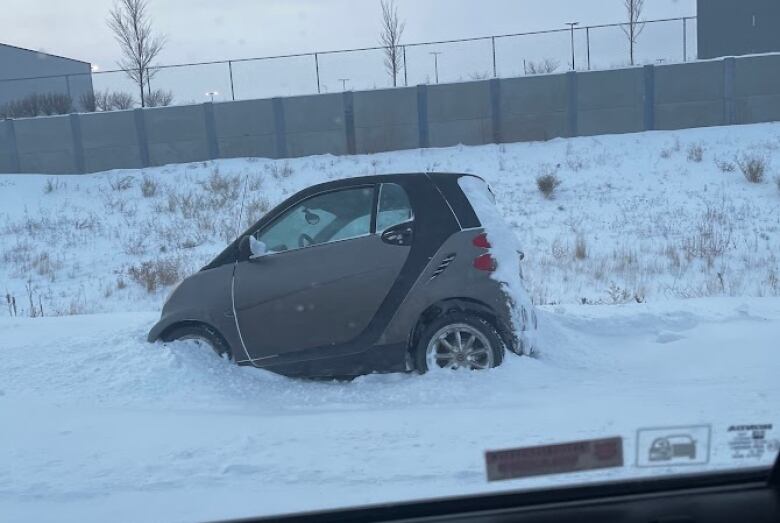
[[201, 30]]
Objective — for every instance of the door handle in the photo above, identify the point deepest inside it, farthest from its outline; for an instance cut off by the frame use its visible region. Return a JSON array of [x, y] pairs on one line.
[[402, 234]]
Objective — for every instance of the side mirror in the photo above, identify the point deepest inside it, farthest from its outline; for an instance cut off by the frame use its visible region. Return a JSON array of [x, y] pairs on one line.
[[250, 248], [244, 249], [257, 248]]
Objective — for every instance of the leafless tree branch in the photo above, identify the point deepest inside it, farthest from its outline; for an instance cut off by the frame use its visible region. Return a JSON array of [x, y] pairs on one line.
[[132, 27], [390, 37], [633, 27]]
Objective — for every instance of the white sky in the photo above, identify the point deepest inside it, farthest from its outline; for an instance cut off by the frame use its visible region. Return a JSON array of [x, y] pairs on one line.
[[202, 30]]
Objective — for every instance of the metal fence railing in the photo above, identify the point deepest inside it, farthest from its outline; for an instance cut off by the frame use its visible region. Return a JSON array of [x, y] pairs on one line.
[[582, 48]]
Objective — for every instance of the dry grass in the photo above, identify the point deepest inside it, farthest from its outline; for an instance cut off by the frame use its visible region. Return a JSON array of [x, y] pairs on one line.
[[753, 167], [547, 181], [695, 153], [148, 187], [155, 274]]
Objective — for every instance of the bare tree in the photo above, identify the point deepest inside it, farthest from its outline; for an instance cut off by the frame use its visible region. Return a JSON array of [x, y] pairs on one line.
[[159, 98], [546, 66], [120, 101], [132, 28], [633, 28], [392, 30]]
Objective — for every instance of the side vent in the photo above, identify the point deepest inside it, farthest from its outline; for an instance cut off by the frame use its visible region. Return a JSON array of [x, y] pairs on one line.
[[442, 266]]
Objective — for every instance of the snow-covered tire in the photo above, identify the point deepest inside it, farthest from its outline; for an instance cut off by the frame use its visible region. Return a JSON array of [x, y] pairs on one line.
[[200, 333], [486, 350]]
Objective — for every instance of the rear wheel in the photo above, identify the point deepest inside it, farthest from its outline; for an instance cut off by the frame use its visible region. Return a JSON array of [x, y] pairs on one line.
[[201, 334], [459, 341]]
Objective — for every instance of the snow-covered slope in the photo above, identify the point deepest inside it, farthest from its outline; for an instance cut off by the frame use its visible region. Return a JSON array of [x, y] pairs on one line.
[[636, 217], [98, 425]]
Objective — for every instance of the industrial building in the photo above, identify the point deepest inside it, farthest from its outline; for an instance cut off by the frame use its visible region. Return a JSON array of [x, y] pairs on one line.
[[24, 72], [737, 27]]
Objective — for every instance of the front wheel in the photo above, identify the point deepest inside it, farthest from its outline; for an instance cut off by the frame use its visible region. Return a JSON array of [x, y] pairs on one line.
[[202, 335], [459, 341]]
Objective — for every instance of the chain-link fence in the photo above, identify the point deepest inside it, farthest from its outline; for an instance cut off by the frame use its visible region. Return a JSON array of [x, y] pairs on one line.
[[578, 47]]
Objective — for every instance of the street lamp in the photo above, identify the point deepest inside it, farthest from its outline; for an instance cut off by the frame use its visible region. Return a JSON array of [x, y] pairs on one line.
[[571, 26], [436, 63], [212, 94], [343, 83]]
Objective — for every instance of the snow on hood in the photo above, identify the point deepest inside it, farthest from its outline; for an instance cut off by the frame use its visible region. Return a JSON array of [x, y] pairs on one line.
[[505, 248]]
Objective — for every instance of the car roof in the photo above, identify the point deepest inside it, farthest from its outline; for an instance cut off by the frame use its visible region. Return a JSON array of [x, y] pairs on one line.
[[379, 178]]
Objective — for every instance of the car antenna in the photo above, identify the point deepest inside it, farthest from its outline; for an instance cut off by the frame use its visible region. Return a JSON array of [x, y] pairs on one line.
[[241, 211]]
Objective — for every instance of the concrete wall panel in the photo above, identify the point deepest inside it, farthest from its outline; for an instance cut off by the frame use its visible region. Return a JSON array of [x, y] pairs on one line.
[[533, 108], [110, 141], [176, 134], [45, 145], [245, 128], [386, 120]]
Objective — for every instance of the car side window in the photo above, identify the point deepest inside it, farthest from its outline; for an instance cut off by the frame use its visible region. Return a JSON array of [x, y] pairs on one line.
[[332, 216], [393, 207]]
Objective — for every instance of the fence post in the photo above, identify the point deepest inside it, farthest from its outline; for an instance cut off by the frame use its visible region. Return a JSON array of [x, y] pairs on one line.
[[317, 69], [422, 115], [349, 121], [495, 108], [729, 95], [493, 43], [232, 89], [649, 98], [280, 127], [587, 43], [211, 131], [406, 77], [143, 141], [78, 144], [572, 105], [67, 86], [13, 148]]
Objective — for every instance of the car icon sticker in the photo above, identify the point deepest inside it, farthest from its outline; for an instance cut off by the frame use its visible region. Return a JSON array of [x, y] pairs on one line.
[[672, 446]]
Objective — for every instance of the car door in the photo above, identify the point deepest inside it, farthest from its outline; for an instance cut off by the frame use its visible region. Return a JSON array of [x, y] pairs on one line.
[[326, 272]]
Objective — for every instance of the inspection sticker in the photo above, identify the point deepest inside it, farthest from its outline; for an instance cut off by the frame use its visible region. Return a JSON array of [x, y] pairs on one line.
[[673, 446], [554, 459], [752, 441]]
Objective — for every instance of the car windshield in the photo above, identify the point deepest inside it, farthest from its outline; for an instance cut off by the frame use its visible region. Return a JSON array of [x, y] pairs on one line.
[[263, 258]]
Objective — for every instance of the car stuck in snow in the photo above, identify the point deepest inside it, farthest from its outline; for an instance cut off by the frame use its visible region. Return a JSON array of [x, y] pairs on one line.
[[407, 272]]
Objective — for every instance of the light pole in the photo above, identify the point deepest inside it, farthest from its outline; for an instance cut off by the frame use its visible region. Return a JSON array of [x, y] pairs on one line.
[[571, 26], [212, 94], [343, 83], [436, 63]]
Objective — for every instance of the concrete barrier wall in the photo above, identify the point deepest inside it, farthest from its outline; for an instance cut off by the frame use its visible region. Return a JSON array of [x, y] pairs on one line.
[[46, 145], [110, 141], [689, 95], [721, 92]]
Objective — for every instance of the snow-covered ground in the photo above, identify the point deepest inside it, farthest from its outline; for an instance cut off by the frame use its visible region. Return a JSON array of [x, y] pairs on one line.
[[655, 265]]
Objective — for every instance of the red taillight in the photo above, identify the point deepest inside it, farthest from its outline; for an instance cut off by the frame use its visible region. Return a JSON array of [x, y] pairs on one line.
[[481, 241], [486, 262]]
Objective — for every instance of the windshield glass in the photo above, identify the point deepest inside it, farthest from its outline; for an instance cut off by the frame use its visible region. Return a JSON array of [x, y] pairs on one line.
[[454, 247]]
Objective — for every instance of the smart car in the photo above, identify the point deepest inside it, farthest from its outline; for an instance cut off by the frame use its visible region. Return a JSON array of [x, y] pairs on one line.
[[390, 273]]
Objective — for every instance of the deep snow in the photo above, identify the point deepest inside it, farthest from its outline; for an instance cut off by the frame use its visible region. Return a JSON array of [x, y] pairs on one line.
[[99, 425], [96, 424]]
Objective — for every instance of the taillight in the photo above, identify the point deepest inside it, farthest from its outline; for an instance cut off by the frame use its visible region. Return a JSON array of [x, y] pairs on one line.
[[481, 241], [486, 262]]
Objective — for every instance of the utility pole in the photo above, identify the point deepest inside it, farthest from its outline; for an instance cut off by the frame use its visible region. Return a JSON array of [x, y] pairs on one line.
[[571, 27], [436, 63]]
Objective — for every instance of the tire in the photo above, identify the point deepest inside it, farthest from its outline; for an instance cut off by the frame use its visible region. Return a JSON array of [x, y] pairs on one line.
[[486, 350], [203, 334]]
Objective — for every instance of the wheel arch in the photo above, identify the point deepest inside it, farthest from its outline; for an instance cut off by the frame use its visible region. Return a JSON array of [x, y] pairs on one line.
[[163, 335], [466, 305]]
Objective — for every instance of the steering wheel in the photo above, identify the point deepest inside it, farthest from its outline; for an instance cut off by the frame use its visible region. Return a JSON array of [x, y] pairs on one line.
[[304, 240]]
